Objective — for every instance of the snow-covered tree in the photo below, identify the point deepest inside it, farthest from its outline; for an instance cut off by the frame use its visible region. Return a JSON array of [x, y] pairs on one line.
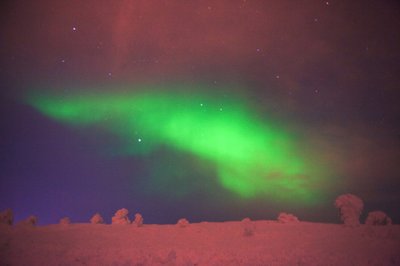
[[121, 217], [350, 207], [138, 220]]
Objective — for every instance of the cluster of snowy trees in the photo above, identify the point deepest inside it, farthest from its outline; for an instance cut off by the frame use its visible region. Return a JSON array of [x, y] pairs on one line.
[[7, 217], [120, 217], [350, 207]]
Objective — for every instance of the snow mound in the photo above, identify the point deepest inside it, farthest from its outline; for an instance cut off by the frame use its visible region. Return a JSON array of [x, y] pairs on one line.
[[285, 218], [248, 227], [182, 223], [65, 221]]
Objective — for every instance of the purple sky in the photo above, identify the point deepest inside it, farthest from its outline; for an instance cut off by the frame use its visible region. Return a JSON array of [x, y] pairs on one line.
[[331, 67]]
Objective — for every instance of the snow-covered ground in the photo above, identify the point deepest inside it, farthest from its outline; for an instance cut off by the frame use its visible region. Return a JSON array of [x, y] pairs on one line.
[[206, 243]]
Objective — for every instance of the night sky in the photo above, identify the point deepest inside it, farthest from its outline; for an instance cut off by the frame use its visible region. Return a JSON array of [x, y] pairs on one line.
[[207, 110]]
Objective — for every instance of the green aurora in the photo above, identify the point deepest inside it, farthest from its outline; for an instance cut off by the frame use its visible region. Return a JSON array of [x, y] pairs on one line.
[[252, 157]]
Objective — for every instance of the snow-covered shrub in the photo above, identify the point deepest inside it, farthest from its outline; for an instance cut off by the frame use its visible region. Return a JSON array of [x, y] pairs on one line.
[[246, 220], [65, 221], [182, 223], [138, 220], [378, 218], [284, 218], [96, 219], [6, 217], [121, 217], [30, 221], [248, 227], [350, 207]]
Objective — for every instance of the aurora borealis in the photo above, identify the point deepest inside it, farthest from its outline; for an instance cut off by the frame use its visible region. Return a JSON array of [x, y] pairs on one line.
[[205, 110], [252, 158]]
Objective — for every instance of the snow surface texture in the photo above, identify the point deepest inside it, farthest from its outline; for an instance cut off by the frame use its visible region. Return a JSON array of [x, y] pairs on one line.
[[350, 207], [284, 218], [206, 243], [378, 218]]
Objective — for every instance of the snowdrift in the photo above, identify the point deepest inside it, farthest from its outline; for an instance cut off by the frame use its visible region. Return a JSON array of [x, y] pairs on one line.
[[206, 243]]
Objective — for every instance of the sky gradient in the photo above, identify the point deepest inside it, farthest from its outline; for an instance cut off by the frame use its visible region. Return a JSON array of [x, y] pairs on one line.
[[208, 110]]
